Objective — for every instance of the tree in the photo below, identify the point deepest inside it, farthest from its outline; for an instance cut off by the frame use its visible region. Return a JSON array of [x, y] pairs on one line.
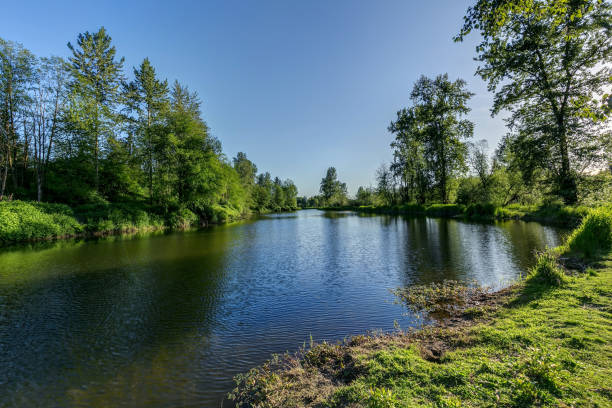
[[365, 196], [290, 193], [49, 97], [97, 76], [432, 128], [547, 62], [17, 72], [479, 160], [147, 96], [409, 163], [247, 171], [385, 184], [334, 192], [263, 192]]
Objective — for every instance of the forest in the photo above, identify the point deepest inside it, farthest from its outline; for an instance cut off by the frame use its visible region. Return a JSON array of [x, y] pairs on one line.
[[120, 151]]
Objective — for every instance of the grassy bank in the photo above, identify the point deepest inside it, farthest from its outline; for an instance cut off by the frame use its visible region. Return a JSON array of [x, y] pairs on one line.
[[22, 221], [550, 214], [543, 342]]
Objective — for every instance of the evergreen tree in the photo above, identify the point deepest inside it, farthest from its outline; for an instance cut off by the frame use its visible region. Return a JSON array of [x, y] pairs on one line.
[[147, 96], [97, 76]]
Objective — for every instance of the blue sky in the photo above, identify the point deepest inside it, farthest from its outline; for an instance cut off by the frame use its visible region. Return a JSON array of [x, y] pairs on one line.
[[297, 85]]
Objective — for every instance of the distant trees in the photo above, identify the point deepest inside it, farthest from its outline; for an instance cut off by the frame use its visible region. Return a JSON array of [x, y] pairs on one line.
[[366, 196], [548, 63], [385, 185], [79, 132], [333, 191], [430, 135]]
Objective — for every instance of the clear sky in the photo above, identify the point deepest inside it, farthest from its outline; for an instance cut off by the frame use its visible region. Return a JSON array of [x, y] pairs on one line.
[[297, 85]]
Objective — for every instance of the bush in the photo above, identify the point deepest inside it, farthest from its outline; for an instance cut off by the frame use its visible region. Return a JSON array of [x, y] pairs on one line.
[[182, 219], [23, 221], [594, 235], [444, 210], [480, 210], [547, 270], [103, 217]]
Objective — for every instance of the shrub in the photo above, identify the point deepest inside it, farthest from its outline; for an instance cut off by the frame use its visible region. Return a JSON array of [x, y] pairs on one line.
[[478, 210], [444, 210], [594, 235], [23, 221], [182, 219], [103, 217], [546, 270]]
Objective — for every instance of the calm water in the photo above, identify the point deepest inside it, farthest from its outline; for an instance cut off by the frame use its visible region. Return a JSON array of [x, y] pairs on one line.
[[168, 320]]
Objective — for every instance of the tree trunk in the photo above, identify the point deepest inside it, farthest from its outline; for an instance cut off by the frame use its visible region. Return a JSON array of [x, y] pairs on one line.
[[567, 182]]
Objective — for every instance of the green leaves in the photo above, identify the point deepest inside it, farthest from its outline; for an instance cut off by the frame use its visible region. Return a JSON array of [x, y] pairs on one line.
[[546, 60]]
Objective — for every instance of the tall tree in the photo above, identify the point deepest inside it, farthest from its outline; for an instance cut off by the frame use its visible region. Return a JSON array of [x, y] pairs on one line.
[[97, 76], [17, 72], [385, 184], [434, 123], [548, 62], [479, 161], [333, 190], [247, 171], [148, 97], [49, 97], [409, 165]]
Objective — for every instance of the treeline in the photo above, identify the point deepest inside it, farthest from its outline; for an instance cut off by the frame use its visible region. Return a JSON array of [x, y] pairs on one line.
[[82, 132], [549, 65]]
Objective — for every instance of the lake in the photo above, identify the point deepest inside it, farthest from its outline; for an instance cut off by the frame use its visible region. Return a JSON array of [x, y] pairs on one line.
[[166, 320]]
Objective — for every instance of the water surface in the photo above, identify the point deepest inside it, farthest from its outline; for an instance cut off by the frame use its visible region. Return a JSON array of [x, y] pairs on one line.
[[167, 320]]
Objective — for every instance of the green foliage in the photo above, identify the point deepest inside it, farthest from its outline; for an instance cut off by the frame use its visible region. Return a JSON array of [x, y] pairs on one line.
[[117, 217], [547, 270], [333, 191], [480, 210], [129, 154], [547, 61], [22, 221], [182, 219], [594, 236], [444, 210], [429, 148]]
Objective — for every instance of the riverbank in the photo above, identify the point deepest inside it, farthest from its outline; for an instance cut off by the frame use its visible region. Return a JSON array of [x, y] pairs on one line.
[[545, 342], [561, 215], [25, 221]]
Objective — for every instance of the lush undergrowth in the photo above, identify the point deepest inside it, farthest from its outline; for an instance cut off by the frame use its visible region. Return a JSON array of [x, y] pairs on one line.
[[550, 214], [22, 221], [546, 342]]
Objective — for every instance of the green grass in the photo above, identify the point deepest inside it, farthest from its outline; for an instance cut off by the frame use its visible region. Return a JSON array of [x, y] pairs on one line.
[[550, 346], [546, 342], [594, 236]]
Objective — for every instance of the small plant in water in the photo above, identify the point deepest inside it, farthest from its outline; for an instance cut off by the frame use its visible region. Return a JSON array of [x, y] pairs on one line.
[[439, 299]]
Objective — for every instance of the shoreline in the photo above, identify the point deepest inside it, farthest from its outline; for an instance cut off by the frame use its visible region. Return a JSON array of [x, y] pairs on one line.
[[554, 215], [543, 341], [31, 222]]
